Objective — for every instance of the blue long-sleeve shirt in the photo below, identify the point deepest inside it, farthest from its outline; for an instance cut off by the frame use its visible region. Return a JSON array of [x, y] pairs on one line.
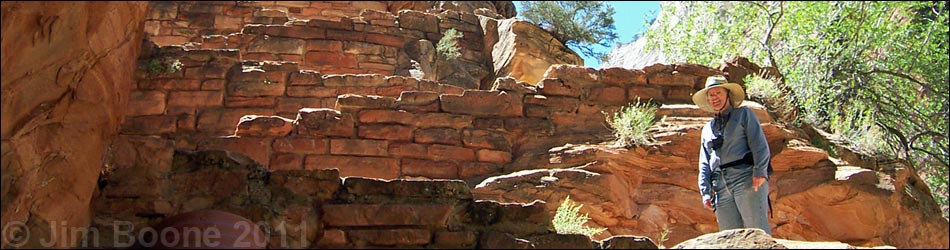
[[742, 134]]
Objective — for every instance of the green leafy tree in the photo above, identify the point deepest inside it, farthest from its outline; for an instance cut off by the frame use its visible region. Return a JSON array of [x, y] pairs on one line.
[[871, 72], [577, 24]]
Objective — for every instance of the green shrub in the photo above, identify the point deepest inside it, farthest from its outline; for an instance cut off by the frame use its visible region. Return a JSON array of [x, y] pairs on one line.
[[759, 88], [569, 220], [818, 142], [859, 133], [630, 123], [160, 66], [447, 47]]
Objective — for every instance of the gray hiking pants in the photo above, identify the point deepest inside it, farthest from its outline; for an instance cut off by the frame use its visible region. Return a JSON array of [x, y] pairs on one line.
[[736, 204]]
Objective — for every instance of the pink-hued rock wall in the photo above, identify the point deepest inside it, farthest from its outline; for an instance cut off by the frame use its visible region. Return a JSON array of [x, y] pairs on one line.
[[67, 68]]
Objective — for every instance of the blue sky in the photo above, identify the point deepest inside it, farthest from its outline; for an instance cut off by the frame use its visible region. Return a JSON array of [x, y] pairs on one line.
[[628, 19]]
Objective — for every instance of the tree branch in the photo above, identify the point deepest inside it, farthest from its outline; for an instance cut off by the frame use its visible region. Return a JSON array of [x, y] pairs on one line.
[[935, 156], [929, 132], [923, 85], [773, 19], [900, 136]]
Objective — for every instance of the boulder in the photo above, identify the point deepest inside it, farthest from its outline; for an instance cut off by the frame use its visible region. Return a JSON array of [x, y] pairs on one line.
[[746, 238], [525, 51]]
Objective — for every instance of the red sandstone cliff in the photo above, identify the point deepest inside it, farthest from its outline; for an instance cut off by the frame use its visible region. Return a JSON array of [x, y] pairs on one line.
[[302, 88], [67, 68]]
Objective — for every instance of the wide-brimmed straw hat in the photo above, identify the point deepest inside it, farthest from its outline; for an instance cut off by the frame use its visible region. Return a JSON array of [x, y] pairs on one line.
[[736, 94]]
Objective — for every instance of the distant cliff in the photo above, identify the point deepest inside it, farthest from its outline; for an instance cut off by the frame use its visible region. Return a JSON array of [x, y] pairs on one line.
[[633, 55]]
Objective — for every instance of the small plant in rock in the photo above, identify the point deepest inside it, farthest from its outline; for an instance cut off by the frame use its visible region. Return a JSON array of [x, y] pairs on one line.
[[448, 47], [159, 66], [630, 123], [569, 220], [662, 237]]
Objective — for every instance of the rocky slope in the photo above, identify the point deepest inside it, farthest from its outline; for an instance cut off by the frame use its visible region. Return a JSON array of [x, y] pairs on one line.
[[648, 189]]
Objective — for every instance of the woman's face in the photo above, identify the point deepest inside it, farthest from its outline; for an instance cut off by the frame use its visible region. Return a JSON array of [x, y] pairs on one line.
[[718, 98]]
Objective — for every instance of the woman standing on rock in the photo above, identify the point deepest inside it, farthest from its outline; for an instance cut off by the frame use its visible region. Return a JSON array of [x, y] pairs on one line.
[[733, 158]]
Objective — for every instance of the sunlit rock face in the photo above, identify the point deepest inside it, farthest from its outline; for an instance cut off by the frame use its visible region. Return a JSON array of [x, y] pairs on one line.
[[525, 51], [649, 189]]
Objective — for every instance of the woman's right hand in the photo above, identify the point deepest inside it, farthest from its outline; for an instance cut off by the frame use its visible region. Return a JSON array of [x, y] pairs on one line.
[[708, 204]]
